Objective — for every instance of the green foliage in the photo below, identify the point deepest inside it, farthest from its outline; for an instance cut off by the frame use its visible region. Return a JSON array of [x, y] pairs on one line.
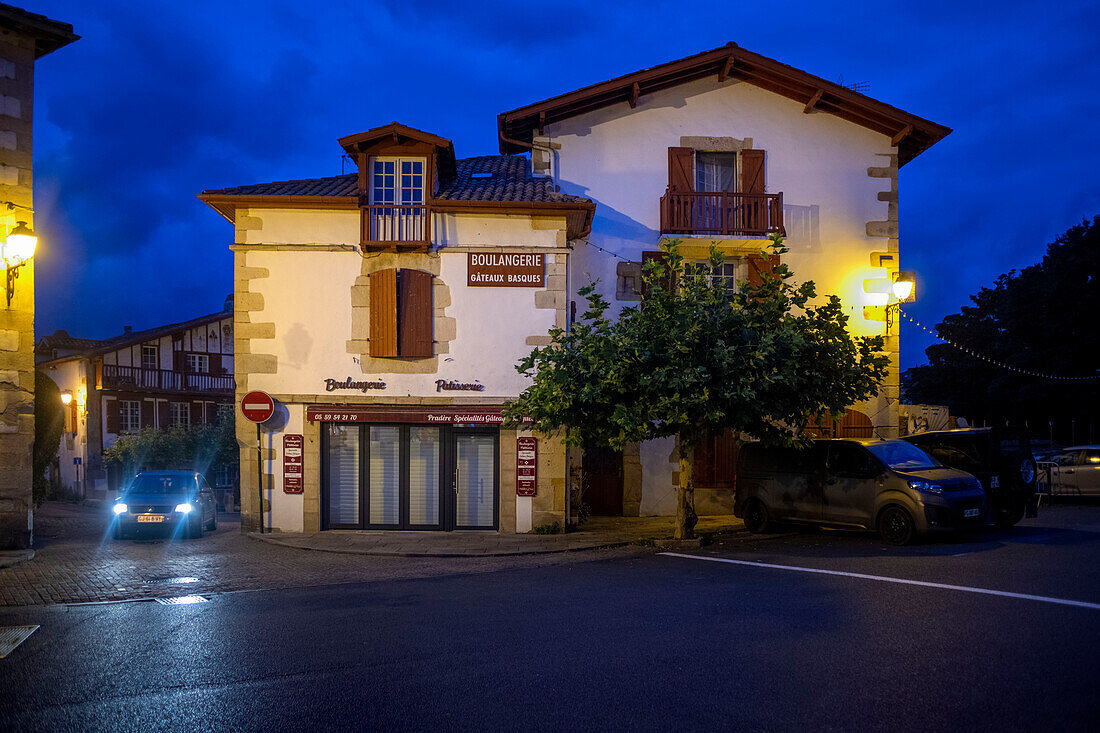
[[201, 448], [552, 528], [1042, 319], [49, 423], [698, 358]]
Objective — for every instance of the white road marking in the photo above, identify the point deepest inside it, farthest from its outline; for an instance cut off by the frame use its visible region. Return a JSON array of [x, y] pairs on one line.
[[886, 579]]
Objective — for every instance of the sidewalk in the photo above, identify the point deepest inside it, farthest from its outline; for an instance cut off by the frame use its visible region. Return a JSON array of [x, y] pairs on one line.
[[596, 533]]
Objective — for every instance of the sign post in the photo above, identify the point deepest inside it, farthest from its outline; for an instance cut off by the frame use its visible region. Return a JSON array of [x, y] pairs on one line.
[[258, 407]]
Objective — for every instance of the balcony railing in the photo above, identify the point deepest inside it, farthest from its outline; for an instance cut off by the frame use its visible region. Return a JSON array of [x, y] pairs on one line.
[[396, 226], [722, 213], [112, 376]]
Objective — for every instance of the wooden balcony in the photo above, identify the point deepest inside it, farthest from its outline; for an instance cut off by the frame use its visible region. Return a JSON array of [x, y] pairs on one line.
[[137, 379], [722, 214], [396, 228]]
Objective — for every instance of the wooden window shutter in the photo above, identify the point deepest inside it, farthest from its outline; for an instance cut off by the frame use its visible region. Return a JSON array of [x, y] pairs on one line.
[[753, 174], [114, 415], [416, 314], [761, 267], [681, 177], [383, 313], [147, 414], [753, 177], [660, 256], [164, 414]]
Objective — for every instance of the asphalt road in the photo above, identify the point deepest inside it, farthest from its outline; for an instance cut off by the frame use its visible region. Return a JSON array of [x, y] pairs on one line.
[[647, 642]]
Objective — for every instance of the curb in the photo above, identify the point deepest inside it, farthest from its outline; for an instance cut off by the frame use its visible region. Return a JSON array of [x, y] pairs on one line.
[[15, 557], [384, 553], [660, 543]]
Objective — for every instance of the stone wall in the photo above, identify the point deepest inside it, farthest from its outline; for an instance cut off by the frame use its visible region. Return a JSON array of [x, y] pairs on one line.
[[16, 320]]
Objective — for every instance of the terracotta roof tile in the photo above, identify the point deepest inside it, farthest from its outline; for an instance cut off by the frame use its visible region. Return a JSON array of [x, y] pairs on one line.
[[509, 179]]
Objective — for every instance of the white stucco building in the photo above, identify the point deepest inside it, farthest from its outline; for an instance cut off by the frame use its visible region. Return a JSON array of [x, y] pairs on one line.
[[385, 310]]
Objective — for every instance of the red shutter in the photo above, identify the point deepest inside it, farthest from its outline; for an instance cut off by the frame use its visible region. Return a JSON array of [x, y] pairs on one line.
[[752, 171], [164, 414], [114, 416], [196, 414], [725, 460], [416, 314], [147, 414], [761, 267], [753, 178], [383, 313], [216, 364], [681, 177]]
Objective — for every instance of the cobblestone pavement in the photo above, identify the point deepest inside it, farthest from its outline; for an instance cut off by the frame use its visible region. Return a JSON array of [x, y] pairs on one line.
[[76, 561]]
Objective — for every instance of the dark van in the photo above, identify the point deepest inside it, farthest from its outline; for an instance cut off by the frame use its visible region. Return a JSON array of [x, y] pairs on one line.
[[998, 457], [888, 486]]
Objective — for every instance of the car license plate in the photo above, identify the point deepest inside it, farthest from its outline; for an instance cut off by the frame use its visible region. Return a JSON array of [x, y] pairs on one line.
[[994, 482], [970, 512], [150, 518]]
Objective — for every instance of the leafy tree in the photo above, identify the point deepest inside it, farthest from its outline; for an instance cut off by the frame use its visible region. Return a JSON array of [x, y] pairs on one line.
[[201, 448], [49, 423], [696, 358], [1040, 319]]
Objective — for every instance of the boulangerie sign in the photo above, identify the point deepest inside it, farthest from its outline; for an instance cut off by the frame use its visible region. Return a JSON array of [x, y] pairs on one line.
[[505, 270]]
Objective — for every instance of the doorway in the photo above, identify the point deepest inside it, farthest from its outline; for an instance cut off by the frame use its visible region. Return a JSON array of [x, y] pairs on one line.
[[602, 470]]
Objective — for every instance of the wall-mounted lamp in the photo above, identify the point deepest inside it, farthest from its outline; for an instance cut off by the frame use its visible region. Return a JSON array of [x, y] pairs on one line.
[[903, 287], [15, 250], [67, 397]]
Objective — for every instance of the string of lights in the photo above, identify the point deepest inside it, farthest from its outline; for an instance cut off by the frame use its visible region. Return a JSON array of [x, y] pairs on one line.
[[992, 361]]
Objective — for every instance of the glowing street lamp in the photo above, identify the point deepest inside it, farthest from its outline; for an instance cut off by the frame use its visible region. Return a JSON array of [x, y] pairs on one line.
[[904, 284], [902, 288], [66, 398], [15, 250]]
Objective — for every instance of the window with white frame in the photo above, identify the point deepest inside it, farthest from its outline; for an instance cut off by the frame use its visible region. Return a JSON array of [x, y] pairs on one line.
[[149, 357], [198, 363], [727, 274], [180, 414], [129, 416], [397, 184]]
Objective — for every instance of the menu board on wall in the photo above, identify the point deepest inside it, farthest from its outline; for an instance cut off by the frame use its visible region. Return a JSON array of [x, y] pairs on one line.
[[293, 446], [527, 454]]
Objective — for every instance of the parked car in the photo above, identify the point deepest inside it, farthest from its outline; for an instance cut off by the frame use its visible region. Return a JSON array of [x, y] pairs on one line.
[[159, 502], [1000, 458], [1076, 471], [890, 486]]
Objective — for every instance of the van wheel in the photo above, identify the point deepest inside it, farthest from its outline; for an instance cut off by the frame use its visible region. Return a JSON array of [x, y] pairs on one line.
[[1008, 516], [755, 515], [895, 525]]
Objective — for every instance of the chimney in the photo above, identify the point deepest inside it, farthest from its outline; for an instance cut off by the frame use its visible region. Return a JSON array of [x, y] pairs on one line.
[[126, 330], [542, 156], [228, 306]]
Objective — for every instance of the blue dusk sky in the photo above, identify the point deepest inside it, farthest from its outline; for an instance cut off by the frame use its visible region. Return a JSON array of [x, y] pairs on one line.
[[160, 100]]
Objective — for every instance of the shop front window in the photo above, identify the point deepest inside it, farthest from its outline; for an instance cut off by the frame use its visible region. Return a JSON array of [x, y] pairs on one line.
[[409, 477]]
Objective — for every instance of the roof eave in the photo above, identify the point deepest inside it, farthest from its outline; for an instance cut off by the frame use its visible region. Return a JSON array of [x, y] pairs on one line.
[[514, 128]]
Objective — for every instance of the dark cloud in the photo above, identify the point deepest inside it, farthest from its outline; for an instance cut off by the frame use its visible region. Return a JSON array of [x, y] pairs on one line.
[[161, 100]]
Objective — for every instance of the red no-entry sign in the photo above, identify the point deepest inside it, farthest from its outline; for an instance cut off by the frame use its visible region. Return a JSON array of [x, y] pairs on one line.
[[258, 406]]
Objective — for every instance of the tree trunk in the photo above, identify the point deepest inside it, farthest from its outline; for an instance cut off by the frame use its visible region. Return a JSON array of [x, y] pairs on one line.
[[685, 494]]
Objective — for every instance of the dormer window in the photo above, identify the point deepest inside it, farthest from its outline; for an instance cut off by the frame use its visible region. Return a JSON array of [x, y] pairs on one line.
[[399, 170]]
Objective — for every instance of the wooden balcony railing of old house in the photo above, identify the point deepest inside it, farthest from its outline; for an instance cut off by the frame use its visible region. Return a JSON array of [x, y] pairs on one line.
[[722, 213], [112, 376], [396, 227]]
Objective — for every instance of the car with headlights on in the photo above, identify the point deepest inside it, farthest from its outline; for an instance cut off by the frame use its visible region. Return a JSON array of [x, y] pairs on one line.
[[888, 486], [165, 503]]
